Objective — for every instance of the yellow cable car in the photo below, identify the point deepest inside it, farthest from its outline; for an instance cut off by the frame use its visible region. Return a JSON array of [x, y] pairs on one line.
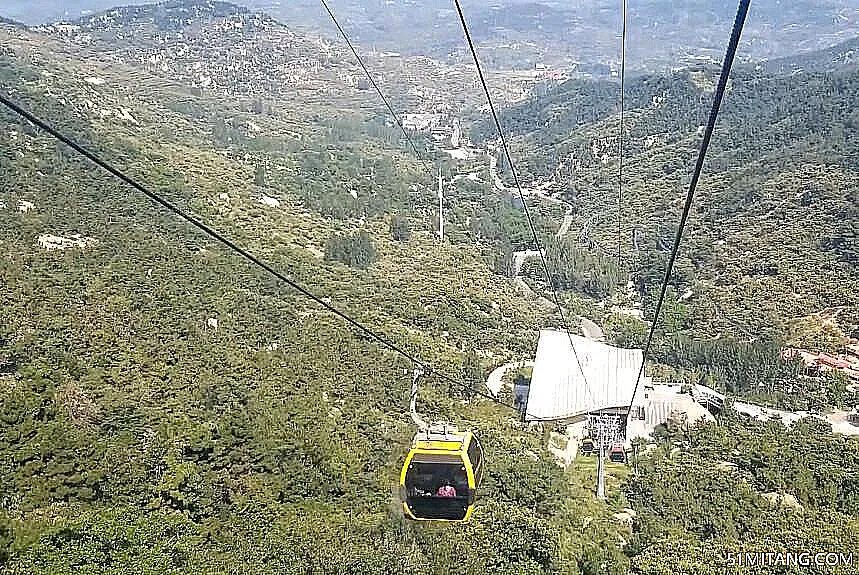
[[441, 475]]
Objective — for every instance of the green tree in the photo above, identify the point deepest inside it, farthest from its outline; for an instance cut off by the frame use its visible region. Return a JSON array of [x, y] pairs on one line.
[[400, 228], [355, 249]]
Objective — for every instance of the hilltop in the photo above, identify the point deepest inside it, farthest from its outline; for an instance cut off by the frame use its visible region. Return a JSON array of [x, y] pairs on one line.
[[770, 240], [839, 58], [571, 35], [214, 46], [231, 51], [582, 34]]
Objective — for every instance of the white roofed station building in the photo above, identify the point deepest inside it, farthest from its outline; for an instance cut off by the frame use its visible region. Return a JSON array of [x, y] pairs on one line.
[[559, 392]]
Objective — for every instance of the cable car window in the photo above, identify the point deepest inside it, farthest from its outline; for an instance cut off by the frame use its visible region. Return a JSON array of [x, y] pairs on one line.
[[475, 455], [437, 487], [617, 454], [425, 479], [436, 458]]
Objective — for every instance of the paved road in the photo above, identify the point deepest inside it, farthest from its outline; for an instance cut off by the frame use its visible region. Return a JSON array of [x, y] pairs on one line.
[[494, 381], [839, 422], [592, 330], [565, 225], [838, 418], [765, 413]]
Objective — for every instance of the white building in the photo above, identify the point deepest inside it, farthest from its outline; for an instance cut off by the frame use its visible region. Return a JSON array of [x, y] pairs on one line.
[[567, 385], [599, 379]]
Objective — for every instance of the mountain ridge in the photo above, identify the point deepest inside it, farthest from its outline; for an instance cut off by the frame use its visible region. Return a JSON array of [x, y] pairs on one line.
[[785, 132], [558, 34]]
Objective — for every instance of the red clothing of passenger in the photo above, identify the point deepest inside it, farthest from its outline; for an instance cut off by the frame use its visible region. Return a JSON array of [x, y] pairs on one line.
[[446, 491]]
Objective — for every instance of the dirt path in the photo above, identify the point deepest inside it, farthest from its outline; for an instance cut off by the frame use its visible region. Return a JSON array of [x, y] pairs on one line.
[[589, 329]]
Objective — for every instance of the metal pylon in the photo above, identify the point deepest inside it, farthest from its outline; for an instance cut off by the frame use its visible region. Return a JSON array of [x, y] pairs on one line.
[[606, 429]]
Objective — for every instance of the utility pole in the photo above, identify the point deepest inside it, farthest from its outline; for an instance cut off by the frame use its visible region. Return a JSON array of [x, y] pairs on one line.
[[440, 208]]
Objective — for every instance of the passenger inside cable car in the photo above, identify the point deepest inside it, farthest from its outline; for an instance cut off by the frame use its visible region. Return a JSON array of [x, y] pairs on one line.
[[437, 487], [446, 490]]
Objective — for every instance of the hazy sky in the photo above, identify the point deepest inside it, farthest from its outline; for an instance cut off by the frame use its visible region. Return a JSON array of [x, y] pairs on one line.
[[39, 11], [774, 26]]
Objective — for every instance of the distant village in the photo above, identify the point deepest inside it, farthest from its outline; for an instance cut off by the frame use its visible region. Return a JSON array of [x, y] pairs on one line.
[[820, 363]]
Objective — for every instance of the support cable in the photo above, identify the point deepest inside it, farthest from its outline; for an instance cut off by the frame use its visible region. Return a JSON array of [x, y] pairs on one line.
[[169, 206], [739, 21]]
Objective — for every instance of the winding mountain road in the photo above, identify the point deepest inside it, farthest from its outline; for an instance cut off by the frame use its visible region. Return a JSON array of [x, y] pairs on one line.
[[589, 328]]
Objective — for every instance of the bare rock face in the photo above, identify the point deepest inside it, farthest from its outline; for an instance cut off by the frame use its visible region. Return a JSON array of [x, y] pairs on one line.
[[269, 201], [783, 499], [726, 466], [626, 516], [51, 242]]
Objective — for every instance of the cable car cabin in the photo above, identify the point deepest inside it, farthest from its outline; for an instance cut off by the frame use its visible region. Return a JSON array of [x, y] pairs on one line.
[[587, 447], [616, 453], [441, 475]]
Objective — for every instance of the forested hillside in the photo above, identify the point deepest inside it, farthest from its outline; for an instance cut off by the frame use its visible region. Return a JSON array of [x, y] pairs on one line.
[[772, 238], [166, 407], [738, 487]]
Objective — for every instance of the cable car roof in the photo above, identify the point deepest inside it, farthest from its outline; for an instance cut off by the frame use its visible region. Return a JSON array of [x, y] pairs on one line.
[[441, 437]]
